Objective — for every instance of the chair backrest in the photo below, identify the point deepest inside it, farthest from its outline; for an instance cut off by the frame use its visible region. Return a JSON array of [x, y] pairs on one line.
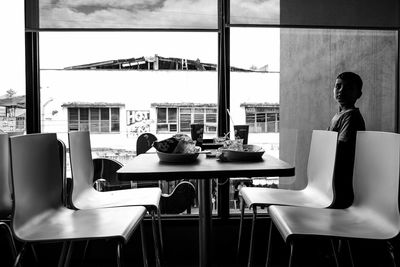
[[82, 171], [144, 142], [376, 174], [36, 176], [62, 154], [105, 168], [5, 176], [321, 162]]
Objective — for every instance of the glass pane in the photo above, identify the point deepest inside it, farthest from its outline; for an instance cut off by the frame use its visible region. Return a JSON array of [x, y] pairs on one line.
[[161, 115], [114, 119], [100, 70], [128, 14], [105, 121], [185, 121], [199, 118], [172, 115], [173, 128], [248, 104], [255, 11], [315, 13], [12, 81], [73, 119], [211, 118], [84, 119], [94, 120], [162, 127]]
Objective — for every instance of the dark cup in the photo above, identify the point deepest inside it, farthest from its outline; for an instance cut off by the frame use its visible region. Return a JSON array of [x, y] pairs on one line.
[[196, 131], [242, 132]]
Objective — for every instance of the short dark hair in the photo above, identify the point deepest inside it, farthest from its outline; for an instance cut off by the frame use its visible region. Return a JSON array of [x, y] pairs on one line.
[[352, 78]]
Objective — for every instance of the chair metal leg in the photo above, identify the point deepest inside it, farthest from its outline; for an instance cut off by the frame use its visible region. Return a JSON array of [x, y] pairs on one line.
[[85, 251], [250, 259], [291, 254], [350, 254], [18, 258], [334, 253], [390, 248], [63, 254], [35, 257], [119, 251], [271, 224], [160, 232], [144, 249], [242, 207], [156, 245], [69, 253]]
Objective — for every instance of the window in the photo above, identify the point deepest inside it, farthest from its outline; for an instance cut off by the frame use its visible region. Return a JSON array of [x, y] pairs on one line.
[[97, 120], [167, 118], [12, 83], [289, 67], [262, 119]]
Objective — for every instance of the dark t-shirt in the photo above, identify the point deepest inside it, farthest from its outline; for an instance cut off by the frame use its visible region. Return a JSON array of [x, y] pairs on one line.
[[346, 123]]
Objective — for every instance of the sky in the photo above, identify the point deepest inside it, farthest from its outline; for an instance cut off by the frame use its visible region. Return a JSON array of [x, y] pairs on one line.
[[257, 46], [155, 13]]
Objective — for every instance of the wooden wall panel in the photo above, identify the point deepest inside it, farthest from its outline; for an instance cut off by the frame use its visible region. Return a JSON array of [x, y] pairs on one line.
[[310, 62]]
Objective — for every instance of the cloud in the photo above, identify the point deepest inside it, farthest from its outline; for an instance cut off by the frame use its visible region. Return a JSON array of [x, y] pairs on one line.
[[128, 13], [255, 11]]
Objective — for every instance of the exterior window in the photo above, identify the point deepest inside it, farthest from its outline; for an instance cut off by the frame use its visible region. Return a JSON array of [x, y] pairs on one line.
[[95, 120], [166, 120], [73, 119], [185, 119], [263, 119]]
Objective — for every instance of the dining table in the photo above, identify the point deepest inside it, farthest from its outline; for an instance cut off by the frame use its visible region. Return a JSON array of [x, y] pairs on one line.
[[204, 169]]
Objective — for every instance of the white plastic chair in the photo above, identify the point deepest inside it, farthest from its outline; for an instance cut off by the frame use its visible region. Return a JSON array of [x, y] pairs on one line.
[[39, 214], [84, 196], [374, 213], [317, 193]]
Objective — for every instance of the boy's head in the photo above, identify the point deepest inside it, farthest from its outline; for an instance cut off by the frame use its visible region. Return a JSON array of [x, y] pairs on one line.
[[347, 88]]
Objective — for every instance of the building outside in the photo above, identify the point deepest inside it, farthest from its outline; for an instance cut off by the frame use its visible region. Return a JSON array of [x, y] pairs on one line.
[[120, 99]]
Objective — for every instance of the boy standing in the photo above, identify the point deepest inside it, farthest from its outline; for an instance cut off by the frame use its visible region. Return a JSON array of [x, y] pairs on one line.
[[347, 121]]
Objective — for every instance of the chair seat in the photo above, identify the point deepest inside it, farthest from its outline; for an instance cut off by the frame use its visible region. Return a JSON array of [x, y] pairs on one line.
[[92, 199], [66, 224], [269, 196], [345, 223]]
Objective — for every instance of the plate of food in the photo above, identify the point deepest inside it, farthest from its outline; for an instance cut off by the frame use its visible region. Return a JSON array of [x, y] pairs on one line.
[[245, 153], [177, 158], [180, 148]]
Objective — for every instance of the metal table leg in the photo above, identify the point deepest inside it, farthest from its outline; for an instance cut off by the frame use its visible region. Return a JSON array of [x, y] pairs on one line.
[[205, 223]]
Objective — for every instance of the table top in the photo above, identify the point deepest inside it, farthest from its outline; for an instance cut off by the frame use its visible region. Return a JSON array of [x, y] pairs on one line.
[[148, 166]]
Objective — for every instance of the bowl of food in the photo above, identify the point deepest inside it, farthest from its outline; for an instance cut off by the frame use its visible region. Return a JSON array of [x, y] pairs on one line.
[[177, 157], [246, 153], [180, 148]]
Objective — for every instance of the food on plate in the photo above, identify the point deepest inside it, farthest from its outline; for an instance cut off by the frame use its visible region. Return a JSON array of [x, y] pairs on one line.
[[177, 144]]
